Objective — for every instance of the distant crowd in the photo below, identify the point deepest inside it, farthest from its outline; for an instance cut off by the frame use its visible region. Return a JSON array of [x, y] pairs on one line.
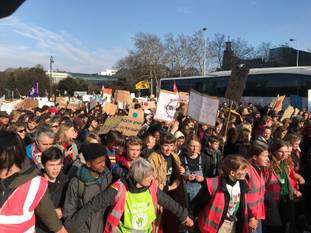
[[250, 172]]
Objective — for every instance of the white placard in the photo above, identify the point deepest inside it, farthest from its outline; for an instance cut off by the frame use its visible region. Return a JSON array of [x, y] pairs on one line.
[[166, 107], [203, 108]]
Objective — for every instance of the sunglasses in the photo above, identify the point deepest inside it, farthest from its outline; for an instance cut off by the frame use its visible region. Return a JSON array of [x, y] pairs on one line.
[[21, 131], [54, 126]]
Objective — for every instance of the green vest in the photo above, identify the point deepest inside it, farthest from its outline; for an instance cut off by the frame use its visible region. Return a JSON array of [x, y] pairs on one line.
[[139, 213]]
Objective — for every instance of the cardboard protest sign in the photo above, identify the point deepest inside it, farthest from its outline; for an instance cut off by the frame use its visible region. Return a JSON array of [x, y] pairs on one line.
[[203, 108], [237, 83], [107, 94], [110, 124], [297, 110], [30, 104], [130, 126], [149, 105], [62, 102], [183, 97], [288, 113], [123, 96], [167, 104], [277, 106], [136, 113], [86, 98], [110, 109]]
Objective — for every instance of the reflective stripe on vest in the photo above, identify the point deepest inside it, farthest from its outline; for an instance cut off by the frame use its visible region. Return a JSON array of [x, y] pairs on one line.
[[116, 213], [17, 213]]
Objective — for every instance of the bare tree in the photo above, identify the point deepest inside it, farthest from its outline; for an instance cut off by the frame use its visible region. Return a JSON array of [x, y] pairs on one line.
[[242, 49], [196, 51], [216, 48], [178, 53], [263, 50]]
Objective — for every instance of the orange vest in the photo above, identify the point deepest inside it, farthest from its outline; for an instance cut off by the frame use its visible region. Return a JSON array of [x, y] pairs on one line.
[[256, 194], [17, 213], [210, 217], [116, 213]]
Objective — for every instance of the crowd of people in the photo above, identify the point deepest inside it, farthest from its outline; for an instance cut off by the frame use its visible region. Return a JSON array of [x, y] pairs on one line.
[[248, 173]]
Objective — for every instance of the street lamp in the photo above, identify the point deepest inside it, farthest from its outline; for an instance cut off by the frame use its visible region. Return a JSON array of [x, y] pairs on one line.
[[51, 83], [297, 53], [205, 44]]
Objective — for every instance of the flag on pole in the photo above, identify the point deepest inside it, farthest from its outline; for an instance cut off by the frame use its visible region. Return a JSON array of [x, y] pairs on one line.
[[175, 87], [34, 91]]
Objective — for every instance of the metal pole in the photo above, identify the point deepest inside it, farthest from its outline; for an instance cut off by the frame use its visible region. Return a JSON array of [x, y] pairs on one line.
[[297, 58], [51, 82], [205, 44]]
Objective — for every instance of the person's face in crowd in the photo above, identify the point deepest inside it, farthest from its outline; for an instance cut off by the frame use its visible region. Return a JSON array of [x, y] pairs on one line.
[[205, 127], [37, 113], [214, 145], [180, 141], [71, 133], [146, 182], [167, 148], [21, 131], [262, 160], [97, 165], [266, 134], [94, 124], [305, 116], [133, 152], [282, 153], [117, 148], [244, 112], [194, 148], [150, 142], [281, 134], [156, 135], [55, 127], [32, 125], [238, 174], [295, 144], [301, 124], [4, 121], [52, 168], [218, 129], [191, 125], [44, 143]]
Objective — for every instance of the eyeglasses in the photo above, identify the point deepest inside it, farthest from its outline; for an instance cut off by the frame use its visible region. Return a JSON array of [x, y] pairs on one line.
[[21, 131]]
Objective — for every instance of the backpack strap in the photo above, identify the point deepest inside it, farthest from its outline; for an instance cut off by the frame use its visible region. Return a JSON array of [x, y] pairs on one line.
[[81, 189]]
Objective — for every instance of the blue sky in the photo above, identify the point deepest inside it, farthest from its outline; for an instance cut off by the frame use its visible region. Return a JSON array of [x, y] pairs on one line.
[[90, 36]]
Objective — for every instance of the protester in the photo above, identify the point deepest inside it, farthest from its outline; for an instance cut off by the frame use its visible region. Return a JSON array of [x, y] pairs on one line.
[[23, 192], [214, 156], [221, 204]]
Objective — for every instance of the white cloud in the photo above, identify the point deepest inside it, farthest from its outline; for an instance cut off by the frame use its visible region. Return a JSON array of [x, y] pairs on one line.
[[68, 51]]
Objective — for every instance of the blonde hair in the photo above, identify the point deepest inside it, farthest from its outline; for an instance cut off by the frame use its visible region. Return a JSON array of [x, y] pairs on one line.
[[60, 137]]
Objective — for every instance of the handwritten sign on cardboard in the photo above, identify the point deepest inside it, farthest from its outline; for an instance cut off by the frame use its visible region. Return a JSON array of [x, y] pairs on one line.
[[123, 96], [110, 109], [130, 126], [110, 124], [167, 104], [136, 113]]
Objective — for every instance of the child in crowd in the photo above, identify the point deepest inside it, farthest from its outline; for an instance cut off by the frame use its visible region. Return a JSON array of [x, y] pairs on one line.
[[221, 203], [214, 155], [52, 161], [91, 179], [114, 146], [133, 151]]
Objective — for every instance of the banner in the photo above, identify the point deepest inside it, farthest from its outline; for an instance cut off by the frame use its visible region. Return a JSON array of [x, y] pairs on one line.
[[167, 104], [277, 106], [110, 124], [136, 113], [203, 108], [130, 126], [107, 94], [123, 96], [237, 82], [288, 113], [144, 84], [34, 91], [110, 109]]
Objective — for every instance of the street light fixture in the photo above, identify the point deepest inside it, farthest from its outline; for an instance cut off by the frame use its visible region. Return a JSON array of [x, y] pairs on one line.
[[205, 48], [297, 53], [51, 83]]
